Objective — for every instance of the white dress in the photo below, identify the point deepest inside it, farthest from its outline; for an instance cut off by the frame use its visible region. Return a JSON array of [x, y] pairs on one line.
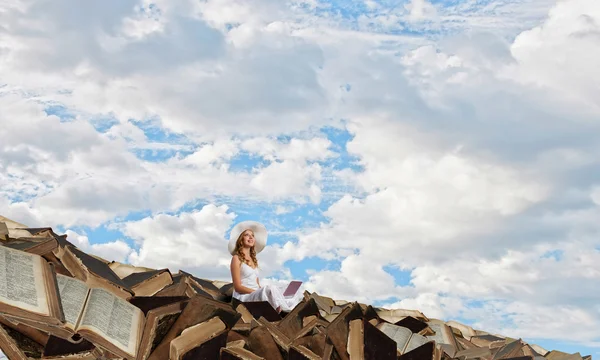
[[271, 293]]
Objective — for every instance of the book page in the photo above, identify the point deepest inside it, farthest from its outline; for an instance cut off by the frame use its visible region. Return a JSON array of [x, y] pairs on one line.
[[22, 281], [3, 230], [399, 334], [124, 270], [113, 318], [416, 340], [395, 315], [73, 293], [356, 341], [439, 333]]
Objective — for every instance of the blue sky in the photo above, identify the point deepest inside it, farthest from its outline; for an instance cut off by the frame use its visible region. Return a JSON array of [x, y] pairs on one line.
[[431, 155]]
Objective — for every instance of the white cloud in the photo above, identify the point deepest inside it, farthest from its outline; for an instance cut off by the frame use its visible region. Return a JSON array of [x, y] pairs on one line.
[[431, 304], [192, 241], [419, 196], [279, 209], [112, 251], [562, 53], [74, 175], [595, 195], [165, 62], [567, 323], [505, 18], [222, 12], [218, 152], [351, 282], [291, 170], [296, 149], [420, 10], [288, 178], [420, 169]]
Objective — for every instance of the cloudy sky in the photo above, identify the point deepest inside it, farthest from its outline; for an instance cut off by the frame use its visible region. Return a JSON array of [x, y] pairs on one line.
[[439, 155]]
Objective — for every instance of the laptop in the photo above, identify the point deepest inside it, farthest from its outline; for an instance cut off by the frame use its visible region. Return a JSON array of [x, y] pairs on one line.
[[292, 288]]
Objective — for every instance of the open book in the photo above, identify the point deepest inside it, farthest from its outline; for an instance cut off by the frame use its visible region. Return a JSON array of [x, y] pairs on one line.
[[405, 339], [28, 287], [101, 317], [444, 337]]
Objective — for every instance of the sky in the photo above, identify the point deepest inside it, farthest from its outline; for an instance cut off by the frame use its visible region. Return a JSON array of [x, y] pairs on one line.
[[433, 155]]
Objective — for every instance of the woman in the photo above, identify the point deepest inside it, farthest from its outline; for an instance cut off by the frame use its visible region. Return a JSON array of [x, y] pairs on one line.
[[247, 239]]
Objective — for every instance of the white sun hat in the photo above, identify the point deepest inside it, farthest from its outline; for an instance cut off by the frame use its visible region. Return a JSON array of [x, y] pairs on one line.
[[259, 230]]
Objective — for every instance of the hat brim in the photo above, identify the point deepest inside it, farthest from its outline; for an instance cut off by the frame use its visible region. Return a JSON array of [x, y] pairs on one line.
[[260, 235]]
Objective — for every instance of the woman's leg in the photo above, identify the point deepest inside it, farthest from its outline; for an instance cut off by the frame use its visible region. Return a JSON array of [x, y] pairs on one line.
[[294, 301], [273, 295]]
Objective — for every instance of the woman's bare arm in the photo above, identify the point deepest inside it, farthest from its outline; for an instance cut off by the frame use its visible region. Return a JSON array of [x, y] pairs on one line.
[[236, 277]]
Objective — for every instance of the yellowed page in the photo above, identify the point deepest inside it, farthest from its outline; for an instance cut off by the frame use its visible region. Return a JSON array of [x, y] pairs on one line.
[[73, 294], [399, 334], [22, 281], [112, 318]]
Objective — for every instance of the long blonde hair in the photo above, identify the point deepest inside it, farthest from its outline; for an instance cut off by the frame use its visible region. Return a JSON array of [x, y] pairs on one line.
[[238, 250]]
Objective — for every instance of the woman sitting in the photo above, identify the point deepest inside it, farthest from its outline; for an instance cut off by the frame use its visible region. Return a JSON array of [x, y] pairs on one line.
[[247, 239]]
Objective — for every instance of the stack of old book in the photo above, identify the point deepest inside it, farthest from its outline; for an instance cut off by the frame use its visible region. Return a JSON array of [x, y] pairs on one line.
[[57, 302]]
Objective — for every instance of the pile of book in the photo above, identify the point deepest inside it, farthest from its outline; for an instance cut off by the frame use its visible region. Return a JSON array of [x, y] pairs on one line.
[[57, 302]]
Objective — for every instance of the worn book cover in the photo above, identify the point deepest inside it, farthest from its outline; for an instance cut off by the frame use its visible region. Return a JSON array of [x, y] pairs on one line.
[[338, 329], [159, 321], [60, 349], [148, 283], [424, 352], [294, 321], [256, 309], [17, 346], [302, 353], [201, 341], [33, 245]]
